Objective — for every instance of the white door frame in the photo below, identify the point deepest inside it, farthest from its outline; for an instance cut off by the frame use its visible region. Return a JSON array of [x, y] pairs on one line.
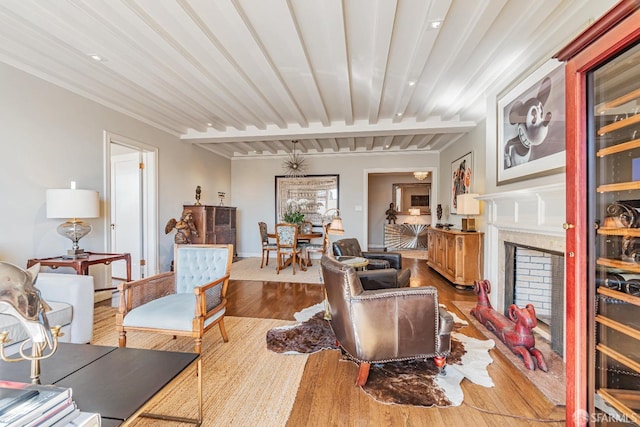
[[151, 196]]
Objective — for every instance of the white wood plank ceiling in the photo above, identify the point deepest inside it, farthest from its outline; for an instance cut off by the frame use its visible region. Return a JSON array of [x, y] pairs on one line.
[[246, 77]]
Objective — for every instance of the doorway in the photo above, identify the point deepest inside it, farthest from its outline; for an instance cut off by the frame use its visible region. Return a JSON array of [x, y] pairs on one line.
[[372, 206], [131, 201]]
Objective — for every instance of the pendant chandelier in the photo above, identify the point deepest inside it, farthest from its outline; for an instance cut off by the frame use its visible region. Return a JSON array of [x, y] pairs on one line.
[[294, 166]]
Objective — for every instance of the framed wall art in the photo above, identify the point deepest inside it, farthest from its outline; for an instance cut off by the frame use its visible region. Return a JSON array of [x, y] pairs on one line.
[[531, 126], [461, 178], [311, 195]]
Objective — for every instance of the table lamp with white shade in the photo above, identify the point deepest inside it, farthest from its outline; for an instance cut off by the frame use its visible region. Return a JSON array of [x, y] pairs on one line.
[[336, 226], [74, 204], [468, 205]]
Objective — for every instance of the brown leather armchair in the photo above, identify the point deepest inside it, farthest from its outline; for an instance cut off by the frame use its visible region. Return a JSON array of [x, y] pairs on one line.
[[384, 325], [377, 259]]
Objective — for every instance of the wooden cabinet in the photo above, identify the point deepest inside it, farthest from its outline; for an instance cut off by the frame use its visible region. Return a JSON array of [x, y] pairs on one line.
[[603, 208], [455, 254], [215, 224]]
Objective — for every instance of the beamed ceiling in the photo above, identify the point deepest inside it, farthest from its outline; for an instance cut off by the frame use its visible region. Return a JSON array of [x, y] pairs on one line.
[[246, 77]]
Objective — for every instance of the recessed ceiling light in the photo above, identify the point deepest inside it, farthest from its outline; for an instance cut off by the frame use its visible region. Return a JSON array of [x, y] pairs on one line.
[[209, 124], [96, 57], [435, 24], [412, 83], [399, 114]]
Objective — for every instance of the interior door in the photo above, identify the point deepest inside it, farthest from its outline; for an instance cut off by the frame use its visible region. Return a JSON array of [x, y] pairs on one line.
[[127, 219]]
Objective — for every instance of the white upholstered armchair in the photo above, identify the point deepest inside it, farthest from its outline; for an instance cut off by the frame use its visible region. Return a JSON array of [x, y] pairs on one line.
[[187, 301]]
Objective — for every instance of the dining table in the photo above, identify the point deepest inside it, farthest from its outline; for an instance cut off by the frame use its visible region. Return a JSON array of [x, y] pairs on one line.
[[301, 236]]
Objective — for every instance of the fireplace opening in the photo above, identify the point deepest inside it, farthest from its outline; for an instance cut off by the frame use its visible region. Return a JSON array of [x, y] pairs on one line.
[[536, 276]]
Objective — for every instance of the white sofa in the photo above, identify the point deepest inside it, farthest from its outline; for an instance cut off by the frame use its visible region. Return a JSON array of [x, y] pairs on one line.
[[71, 299]]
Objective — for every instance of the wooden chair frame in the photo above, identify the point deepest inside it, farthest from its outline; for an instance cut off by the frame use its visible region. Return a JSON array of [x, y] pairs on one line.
[[291, 250], [139, 292]]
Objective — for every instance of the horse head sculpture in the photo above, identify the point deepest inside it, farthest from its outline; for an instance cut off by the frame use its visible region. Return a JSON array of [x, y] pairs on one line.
[[21, 299]]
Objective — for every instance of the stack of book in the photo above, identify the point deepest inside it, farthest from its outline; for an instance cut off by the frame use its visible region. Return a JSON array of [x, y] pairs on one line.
[[30, 405]]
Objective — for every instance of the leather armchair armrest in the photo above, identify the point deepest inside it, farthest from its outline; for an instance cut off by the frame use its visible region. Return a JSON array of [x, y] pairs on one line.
[[397, 293], [378, 279], [446, 322], [394, 258]]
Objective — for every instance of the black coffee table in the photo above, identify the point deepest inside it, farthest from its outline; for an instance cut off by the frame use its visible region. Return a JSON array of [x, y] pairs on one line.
[[115, 382]]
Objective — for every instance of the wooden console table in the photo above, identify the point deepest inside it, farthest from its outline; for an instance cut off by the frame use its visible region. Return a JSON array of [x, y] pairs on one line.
[[457, 255], [81, 265]]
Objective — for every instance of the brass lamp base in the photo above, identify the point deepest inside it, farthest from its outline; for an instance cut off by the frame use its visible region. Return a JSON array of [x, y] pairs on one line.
[[468, 224]]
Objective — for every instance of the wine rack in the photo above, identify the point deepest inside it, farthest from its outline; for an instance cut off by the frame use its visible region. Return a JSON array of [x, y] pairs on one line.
[[614, 206]]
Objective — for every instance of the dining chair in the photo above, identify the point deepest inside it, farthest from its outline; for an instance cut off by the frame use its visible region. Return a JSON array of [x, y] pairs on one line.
[[266, 244], [287, 247], [317, 247]]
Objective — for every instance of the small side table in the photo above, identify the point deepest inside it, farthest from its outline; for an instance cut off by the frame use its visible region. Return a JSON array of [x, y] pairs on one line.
[[81, 265], [354, 261]]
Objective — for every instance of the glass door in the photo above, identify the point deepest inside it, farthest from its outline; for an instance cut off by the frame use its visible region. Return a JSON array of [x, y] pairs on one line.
[[613, 121]]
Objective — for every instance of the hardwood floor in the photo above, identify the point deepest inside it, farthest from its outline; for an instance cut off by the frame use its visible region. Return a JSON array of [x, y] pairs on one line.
[[328, 397]]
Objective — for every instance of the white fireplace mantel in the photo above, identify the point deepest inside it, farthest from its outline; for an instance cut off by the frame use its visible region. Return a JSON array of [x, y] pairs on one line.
[[536, 209], [533, 216]]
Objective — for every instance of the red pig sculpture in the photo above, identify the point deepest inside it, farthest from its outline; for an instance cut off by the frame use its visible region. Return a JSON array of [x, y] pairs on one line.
[[514, 331]]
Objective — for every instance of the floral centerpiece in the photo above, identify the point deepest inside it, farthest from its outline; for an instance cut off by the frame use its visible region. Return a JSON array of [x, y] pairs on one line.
[[293, 213]]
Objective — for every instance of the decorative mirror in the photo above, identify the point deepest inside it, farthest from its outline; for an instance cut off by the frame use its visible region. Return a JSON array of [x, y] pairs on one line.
[[412, 196]]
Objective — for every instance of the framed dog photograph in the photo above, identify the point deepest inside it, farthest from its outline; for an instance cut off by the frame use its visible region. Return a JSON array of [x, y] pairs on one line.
[[531, 126]]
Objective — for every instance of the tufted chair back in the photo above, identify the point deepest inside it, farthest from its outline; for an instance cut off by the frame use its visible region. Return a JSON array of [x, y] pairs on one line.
[[198, 264]]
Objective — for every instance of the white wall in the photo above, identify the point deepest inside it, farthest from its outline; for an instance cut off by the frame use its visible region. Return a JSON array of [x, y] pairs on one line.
[[50, 136], [473, 142], [253, 189]]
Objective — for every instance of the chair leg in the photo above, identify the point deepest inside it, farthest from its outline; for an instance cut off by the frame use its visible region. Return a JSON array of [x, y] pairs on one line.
[[122, 339], [267, 263], [278, 262], [302, 262], [363, 373], [223, 331], [262, 259], [293, 263]]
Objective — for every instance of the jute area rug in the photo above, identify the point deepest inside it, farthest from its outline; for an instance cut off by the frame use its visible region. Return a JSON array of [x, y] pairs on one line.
[[413, 382], [552, 383], [249, 269], [230, 373]]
